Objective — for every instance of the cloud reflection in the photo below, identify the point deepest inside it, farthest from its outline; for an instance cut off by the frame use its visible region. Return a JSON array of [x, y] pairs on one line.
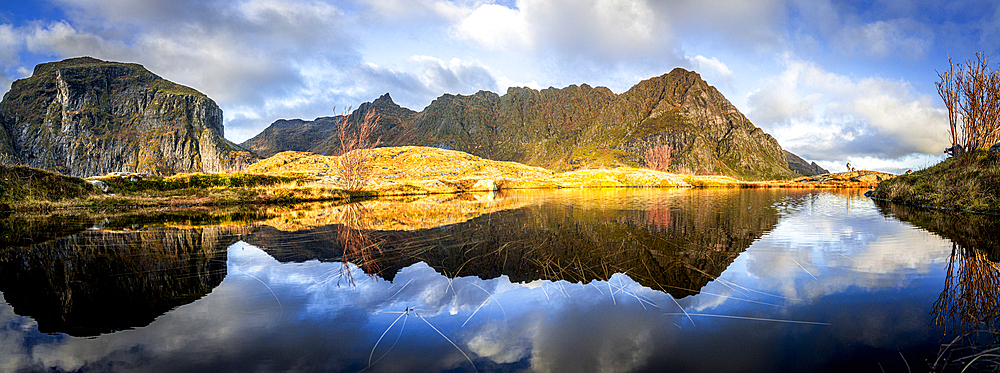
[[830, 259]]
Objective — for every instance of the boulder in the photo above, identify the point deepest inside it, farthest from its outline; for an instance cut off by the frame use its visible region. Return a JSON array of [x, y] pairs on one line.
[[99, 185], [484, 185]]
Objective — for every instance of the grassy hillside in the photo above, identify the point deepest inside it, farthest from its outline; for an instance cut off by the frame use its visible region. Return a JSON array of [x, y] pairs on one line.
[[968, 182], [21, 185]]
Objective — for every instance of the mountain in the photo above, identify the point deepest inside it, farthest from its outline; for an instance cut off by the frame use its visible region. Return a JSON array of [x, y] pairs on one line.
[[86, 117], [320, 135], [800, 166], [568, 128]]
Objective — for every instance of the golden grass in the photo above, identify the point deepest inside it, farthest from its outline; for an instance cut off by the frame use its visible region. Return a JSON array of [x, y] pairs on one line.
[[290, 177]]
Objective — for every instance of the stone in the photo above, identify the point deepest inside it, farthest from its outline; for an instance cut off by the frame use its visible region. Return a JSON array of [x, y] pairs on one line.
[[484, 185], [99, 185]]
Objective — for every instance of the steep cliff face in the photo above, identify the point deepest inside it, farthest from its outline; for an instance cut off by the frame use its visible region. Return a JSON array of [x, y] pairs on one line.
[[86, 117], [582, 127]]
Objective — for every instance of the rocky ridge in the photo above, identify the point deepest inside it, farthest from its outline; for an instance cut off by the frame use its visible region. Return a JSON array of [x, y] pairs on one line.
[[576, 127], [86, 117], [802, 167]]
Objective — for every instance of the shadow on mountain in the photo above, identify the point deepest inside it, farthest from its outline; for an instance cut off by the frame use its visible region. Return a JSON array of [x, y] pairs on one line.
[[672, 242], [98, 281], [969, 306]]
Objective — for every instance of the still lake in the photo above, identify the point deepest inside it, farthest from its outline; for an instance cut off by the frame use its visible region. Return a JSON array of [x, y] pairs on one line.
[[612, 280]]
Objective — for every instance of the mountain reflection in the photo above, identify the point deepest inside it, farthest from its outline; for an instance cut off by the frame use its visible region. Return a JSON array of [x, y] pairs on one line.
[[98, 281], [969, 305], [672, 242]]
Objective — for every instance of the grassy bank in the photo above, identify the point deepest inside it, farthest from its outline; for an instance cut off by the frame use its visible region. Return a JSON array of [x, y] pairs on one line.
[[300, 177], [28, 189], [968, 182], [23, 187]]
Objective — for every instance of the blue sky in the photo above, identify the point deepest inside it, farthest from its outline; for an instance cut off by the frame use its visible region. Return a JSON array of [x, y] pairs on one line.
[[831, 81]]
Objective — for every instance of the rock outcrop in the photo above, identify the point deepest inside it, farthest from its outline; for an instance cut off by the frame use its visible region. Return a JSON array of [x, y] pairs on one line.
[[576, 127], [801, 167], [86, 117]]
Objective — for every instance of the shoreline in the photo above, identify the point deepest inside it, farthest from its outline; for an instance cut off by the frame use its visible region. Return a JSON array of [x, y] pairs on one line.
[[969, 183], [293, 177]]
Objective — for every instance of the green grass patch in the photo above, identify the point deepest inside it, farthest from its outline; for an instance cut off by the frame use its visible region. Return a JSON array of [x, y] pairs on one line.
[[189, 183], [23, 185]]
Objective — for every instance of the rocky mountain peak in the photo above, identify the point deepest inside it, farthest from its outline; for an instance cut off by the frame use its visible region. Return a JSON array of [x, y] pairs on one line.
[[84, 117]]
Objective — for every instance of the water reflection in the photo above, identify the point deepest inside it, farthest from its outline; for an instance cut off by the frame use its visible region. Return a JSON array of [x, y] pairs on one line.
[[673, 242], [621, 280], [969, 305], [102, 280]]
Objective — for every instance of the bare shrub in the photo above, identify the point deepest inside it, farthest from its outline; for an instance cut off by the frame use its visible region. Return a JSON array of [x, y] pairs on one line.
[[354, 162], [971, 93], [658, 157]]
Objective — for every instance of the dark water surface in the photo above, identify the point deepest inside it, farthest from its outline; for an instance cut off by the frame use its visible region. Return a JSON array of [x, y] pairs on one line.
[[554, 281]]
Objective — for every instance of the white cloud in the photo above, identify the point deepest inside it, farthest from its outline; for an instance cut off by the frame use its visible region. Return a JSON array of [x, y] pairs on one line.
[[455, 75], [711, 65], [829, 117], [605, 30], [9, 44], [496, 27], [404, 10], [882, 39]]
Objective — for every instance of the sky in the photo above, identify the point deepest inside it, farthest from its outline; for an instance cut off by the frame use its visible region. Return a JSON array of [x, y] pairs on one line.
[[833, 82]]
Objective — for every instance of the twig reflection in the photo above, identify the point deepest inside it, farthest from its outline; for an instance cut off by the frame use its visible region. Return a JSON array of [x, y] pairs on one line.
[[354, 235], [969, 306]]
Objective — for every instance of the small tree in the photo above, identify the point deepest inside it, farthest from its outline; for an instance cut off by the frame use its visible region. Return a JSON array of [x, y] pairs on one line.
[[971, 93], [658, 157], [354, 163]]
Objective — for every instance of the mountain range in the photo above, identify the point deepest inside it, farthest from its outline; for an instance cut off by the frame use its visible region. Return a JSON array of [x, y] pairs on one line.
[[569, 128], [87, 117]]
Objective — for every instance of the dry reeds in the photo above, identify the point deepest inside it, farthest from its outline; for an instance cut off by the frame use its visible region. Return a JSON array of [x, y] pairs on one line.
[[354, 163], [971, 93]]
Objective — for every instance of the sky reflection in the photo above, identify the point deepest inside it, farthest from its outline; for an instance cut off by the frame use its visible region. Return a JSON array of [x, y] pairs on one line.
[[834, 285]]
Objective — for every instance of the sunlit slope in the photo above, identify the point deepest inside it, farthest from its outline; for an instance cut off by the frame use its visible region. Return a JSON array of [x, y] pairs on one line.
[[413, 168]]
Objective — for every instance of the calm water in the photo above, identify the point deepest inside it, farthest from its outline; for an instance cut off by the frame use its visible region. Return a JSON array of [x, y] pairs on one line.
[[556, 281]]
